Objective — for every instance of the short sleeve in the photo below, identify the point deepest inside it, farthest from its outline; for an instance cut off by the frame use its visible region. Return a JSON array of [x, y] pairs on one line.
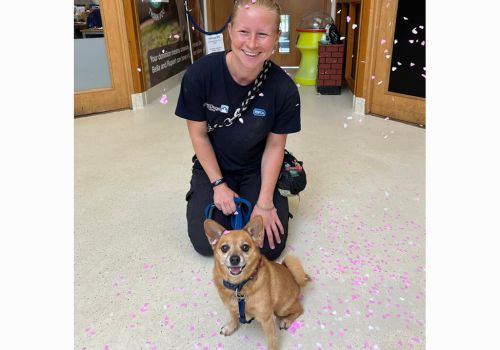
[[190, 102], [288, 113]]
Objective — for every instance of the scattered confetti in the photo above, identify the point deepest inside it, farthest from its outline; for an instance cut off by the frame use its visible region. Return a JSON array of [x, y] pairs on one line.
[[387, 56], [348, 19], [261, 94], [139, 69], [411, 41], [405, 18], [342, 37], [412, 64], [164, 99], [382, 42], [414, 30], [373, 77], [394, 68], [177, 36], [354, 26], [380, 82], [395, 41], [247, 6]]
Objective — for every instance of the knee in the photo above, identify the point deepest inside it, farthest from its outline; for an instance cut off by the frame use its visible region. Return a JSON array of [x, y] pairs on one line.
[[202, 249], [272, 254]]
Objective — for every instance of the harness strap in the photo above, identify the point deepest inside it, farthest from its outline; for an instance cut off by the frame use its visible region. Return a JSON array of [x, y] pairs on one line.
[[241, 297]]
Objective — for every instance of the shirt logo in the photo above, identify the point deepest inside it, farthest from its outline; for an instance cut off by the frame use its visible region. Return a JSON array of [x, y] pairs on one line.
[[223, 108], [259, 112]]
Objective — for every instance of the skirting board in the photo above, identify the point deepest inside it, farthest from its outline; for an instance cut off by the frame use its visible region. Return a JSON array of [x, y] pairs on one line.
[[141, 99]]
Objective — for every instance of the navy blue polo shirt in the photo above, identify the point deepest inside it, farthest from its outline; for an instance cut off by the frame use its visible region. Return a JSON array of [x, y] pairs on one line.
[[209, 93]]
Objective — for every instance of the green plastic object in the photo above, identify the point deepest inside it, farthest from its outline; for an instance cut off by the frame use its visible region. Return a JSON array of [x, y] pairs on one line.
[[307, 44]]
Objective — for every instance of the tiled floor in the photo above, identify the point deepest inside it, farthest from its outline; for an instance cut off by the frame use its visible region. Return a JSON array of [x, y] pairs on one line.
[[359, 229]]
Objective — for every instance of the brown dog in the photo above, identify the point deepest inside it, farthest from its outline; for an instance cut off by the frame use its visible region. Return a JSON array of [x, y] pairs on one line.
[[249, 284]]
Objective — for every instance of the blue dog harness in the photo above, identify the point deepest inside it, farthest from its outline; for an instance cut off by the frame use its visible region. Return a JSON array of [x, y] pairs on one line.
[[241, 298]]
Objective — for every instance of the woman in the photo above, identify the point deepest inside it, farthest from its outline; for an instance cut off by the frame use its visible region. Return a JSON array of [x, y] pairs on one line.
[[244, 158]]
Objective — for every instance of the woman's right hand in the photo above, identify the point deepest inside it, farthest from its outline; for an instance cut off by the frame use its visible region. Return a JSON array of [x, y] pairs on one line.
[[224, 199]]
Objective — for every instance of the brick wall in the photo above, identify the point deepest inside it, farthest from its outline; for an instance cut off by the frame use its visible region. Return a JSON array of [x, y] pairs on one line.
[[330, 60]]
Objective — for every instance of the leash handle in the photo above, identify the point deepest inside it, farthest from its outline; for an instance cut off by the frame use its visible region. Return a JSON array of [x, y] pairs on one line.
[[238, 221]]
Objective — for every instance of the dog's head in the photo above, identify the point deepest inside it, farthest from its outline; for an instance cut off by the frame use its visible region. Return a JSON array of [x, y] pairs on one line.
[[236, 252]]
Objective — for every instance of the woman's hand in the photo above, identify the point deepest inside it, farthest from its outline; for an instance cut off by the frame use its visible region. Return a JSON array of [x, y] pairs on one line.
[[224, 199], [272, 225]]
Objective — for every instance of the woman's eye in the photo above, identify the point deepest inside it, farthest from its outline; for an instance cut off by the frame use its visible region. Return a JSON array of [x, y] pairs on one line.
[[224, 248], [245, 247]]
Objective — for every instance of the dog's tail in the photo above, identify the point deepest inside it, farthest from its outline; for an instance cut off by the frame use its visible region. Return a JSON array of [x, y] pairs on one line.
[[293, 264]]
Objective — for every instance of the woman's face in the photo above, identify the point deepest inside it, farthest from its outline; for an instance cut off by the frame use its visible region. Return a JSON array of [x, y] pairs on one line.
[[253, 34]]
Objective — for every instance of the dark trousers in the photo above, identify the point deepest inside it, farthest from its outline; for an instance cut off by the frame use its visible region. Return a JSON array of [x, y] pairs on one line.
[[246, 186]]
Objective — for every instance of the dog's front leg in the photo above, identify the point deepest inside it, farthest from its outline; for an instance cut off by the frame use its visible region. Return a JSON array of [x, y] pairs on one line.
[[269, 327], [233, 324]]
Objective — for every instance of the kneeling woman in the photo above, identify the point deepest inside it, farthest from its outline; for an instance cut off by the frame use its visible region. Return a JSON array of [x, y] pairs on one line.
[[242, 158]]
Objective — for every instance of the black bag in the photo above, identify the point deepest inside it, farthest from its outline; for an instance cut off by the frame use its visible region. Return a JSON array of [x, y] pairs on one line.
[[292, 179]]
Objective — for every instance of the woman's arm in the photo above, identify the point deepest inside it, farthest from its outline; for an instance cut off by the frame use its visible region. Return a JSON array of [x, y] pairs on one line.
[[223, 195], [272, 160]]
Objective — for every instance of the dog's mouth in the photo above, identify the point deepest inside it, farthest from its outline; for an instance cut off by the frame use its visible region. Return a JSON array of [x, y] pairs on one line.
[[235, 270]]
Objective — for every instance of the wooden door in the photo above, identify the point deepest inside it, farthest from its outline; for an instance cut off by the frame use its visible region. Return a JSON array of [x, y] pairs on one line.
[[383, 100], [219, 11], [118, 94]]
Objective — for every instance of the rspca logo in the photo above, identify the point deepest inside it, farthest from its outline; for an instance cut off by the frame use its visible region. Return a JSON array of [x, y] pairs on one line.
[[223, 108], [258, 112]]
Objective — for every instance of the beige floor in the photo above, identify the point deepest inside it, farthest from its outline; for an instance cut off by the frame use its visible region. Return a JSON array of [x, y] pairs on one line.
[[359, 229]]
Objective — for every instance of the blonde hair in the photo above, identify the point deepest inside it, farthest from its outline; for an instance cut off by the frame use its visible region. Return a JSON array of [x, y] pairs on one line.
[[271, 5]]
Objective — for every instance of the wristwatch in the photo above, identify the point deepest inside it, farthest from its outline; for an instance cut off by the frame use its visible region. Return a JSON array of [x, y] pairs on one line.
[[218, 182]]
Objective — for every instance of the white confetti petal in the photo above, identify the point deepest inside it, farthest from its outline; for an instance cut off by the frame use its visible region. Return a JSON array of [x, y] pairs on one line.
[[421, 27], [354, 26], [412, 64], [411, 41], [394, 68], [395, 41], [399, 63], [405, 18], [380, 82], [414, 30], [387, 56]]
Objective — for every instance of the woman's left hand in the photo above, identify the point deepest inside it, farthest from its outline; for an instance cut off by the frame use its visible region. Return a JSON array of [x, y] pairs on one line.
[[272, 226]]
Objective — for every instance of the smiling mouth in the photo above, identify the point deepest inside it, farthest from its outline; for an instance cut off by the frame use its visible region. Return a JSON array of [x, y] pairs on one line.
[[235, 270], [249, 54]]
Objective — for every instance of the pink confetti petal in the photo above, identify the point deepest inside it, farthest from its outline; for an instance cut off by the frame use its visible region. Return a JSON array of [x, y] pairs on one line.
[[382, 42], [164, 99], [348, 19]]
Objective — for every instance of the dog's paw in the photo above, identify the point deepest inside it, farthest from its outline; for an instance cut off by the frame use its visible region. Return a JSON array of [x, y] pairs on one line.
[[285, 324], [228, 330]]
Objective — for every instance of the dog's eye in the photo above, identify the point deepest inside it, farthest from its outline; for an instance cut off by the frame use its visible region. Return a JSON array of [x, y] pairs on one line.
[[224, 248], [245, 247]]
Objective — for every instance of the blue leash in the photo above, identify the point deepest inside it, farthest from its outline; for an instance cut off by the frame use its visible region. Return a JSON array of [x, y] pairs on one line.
[[240, 218], [193, 22]]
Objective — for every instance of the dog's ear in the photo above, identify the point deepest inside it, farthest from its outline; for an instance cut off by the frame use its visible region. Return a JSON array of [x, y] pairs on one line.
[[213, 231], [255, 228]]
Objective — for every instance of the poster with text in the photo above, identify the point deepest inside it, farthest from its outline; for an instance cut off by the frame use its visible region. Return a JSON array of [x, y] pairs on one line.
[[164, 38]]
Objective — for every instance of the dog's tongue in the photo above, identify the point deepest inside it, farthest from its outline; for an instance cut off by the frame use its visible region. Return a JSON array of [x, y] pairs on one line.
[[235, 270]]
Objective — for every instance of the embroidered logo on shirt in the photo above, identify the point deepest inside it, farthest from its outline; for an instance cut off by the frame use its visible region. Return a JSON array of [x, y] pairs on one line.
[[259, 112], [223, 108]]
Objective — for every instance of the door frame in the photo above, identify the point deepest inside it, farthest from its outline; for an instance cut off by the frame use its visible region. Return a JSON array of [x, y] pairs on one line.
[[118, 96], [368, 56]]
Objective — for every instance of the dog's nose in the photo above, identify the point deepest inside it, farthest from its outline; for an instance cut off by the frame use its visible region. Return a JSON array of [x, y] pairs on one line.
[[235, 260]]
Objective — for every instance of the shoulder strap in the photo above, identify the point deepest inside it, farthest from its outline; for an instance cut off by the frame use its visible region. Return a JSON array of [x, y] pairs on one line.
[[247, 101]]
